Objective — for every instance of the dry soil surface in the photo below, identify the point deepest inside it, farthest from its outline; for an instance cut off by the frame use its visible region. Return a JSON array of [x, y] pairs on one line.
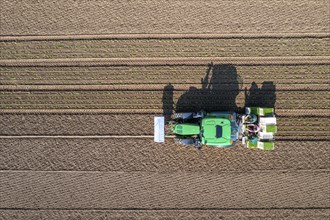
[[80, 83]]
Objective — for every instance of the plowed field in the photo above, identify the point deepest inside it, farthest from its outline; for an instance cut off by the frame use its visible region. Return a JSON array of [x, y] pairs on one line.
[[80, 83]]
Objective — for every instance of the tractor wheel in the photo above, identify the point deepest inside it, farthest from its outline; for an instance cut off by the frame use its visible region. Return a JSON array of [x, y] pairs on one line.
[[185, 141], [183, 115]]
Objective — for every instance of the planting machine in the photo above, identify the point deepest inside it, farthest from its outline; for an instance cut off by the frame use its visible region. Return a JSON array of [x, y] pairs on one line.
[[255, 128]]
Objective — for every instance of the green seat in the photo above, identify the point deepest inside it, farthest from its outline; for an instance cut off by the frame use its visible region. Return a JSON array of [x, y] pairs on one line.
[[260, 111], [251, 145], [271, 128], [268, 112]]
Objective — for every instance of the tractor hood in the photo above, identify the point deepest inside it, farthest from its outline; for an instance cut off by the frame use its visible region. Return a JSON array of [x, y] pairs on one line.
[[216, 131]]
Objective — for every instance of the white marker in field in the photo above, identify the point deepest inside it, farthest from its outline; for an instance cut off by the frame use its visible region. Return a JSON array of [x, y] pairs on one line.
[[159, 129]]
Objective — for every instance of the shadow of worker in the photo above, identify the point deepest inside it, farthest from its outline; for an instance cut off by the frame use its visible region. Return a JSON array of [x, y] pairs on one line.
[[168, 103], [217, 92], [265, 96]]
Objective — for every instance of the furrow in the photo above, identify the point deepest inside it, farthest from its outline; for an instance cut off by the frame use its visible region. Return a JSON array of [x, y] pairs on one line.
[[303, 74], [137, 77], [165, 48], [280, 112], [157, 87], [285, 60], [130, 82], [162, 36], [191, 100], [172, 71]]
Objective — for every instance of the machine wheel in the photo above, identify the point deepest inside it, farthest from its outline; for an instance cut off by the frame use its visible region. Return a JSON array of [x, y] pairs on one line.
[[185, 141], [183, 115]]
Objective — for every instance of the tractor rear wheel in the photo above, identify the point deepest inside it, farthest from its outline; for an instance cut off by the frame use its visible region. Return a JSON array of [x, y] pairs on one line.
[[185, 141], [183, 115]]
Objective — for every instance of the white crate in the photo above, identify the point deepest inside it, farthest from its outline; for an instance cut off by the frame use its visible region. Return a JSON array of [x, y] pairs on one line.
[[266, 135], [159, 129], [267, 120]]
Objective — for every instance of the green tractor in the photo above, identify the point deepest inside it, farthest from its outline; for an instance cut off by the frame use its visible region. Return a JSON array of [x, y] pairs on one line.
[[255, 128]]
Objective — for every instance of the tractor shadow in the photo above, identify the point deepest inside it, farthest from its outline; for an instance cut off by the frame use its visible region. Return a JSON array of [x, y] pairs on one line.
[[218, 92]]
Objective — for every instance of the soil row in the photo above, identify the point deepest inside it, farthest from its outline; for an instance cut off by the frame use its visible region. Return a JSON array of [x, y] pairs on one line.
[[131, 124], [163, 61], [170, 71], [296, 74], [322, 113], [304, 87], [165, 48], [191, 100], [163, 36]]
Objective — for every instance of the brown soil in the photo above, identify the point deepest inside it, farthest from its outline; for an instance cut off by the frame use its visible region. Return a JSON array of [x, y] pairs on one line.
[[102, 17], [148, 99], [80, 82], [178, 190], [240, 47], [152, 76], [141, 154], [129, 124], [289, 214]]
